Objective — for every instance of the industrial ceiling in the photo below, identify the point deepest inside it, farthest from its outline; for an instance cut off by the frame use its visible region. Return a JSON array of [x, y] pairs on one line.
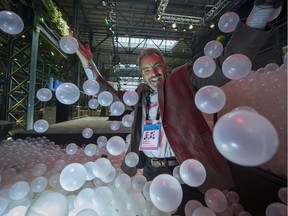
[[117, 31], [103, 24]]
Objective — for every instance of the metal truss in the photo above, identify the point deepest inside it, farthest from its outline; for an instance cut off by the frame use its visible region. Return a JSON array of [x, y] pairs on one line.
[[162, 7], [181, 19]]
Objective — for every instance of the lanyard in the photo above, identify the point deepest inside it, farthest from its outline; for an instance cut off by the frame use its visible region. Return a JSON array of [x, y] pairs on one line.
[[148, 106]]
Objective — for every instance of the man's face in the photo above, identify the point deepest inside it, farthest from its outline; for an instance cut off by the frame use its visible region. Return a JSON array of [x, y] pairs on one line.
[[153, 70]]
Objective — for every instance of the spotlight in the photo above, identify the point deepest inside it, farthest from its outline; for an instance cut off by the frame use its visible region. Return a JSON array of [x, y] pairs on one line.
[[164, 26], [104, 3], [212, 25], [190, 26], [184, 29], [158, 17], [174, 25]]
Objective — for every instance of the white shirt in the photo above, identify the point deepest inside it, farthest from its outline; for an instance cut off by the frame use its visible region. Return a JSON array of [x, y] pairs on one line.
[[164, 149]]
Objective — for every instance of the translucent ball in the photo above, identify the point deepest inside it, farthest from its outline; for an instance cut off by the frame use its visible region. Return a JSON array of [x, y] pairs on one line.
[[44, 94], [87, 133], [102, 197], [192, 172], [146, 189], [210, 99], [123, 181], [51, 203], [245, 138], [176, 174], [115, 145], [105, 98], [110, 177], [236, 66], [39, 184], [203, 211], [114, 125], [138, 182], [228, 22], [90, 149], [102, 141], [91, 87], [276, 209], [3, 204], [39, 169], [233, 197], [89, 168], [213, 49], [73, 177], [67, 93], [41, 126], [93, 103], [191, 205], [247, 108], [130, 98], [131, 159], [166, 193], [68, 44], [87, 212], [71, 148], [135, 202], [127, 120], [10, 22], [215, 200], [204, 66], [117, 108], [19, 190], [102, 167], [282, 194]]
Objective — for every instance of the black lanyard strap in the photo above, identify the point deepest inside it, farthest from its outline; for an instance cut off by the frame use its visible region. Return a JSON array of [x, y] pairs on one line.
[[148, 106]]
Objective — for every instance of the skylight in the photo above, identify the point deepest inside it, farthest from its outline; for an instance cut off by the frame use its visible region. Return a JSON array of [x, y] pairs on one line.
[[166, 45]]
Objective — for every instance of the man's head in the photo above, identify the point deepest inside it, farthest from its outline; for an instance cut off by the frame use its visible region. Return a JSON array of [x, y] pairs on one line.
[[152, 66]]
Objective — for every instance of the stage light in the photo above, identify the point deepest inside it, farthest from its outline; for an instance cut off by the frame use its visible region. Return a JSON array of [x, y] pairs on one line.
[[212, 25], [190, 26], [174, 25], [158, 17]]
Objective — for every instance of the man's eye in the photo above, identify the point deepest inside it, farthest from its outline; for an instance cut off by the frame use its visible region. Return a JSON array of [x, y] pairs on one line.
[[146, 71], [158, 66]]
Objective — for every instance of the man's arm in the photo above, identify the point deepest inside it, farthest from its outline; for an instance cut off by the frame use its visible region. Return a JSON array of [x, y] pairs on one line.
[[247, 39]]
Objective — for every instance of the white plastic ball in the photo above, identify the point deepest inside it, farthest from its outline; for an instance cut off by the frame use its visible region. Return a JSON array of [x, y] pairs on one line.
[[105, 98], [130, 98], [71, 148], [19, 190], [228, 22], [245, 138], [117, 108], [91, 87], [210, 99], [41, 126], [93, 103], [73, 176], [115, 145], [166, 193], [236, 66], [68, 44], [67, 93], [11, 22], [44, 94], [192, 172]]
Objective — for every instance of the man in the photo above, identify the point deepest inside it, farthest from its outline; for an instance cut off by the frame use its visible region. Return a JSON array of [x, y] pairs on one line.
[[166, 104]]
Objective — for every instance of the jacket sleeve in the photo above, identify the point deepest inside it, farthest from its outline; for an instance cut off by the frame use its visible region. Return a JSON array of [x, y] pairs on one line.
[[244, 40]]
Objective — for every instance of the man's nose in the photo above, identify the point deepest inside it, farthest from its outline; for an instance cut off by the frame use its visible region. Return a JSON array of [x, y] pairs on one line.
[[154, 71]]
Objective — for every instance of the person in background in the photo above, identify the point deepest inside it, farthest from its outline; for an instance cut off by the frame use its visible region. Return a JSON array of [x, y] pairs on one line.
[[166, 104]]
